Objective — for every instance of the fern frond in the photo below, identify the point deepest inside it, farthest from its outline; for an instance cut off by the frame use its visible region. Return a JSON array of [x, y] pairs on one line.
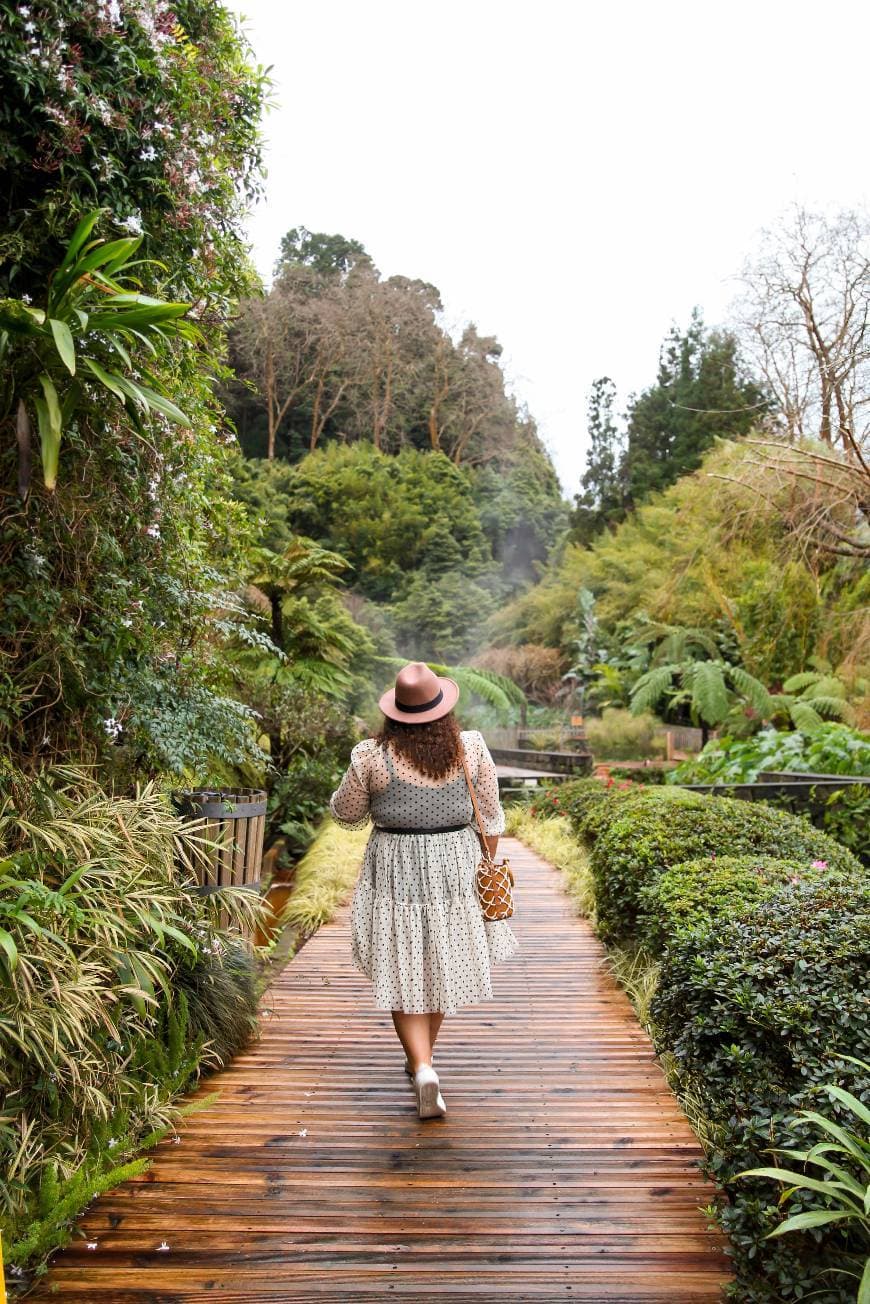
[[752, 689], [805, 718], [710, 700], [796, 683], [651, 687], [831, 708]]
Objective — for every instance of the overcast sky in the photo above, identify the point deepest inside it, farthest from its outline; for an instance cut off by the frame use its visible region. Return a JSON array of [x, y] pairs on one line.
[[572, 176]]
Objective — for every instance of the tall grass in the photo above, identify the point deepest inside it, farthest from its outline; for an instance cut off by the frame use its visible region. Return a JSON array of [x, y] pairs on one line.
[[551, 837], [324, 877], [117, 988]]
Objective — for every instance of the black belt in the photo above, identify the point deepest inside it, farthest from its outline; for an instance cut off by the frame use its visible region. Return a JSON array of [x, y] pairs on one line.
[[451, 828]]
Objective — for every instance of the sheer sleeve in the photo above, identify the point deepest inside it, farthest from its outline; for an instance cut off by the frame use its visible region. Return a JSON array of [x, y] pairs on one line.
[[486, 787], [349, 804]]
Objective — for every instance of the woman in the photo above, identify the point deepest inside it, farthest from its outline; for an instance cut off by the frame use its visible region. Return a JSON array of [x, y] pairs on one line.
[[416, 925]]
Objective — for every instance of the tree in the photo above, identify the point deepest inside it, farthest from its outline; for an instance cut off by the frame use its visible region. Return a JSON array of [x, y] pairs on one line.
[[805, 321], [326, 255], [601, 501], [389, 516], [702, 393], [441, 618]]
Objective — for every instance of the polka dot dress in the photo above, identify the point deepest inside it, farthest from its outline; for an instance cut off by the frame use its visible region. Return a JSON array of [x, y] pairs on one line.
[[416, 926]]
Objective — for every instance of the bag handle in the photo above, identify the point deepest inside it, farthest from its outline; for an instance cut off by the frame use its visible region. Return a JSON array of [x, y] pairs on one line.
[[480, 833]]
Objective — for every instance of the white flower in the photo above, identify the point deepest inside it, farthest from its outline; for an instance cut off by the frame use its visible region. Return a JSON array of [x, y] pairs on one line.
[[92, 1245], [302, 1132], [148, 153], [153, 530], [112, 727], [133, 223], [163, 1247]]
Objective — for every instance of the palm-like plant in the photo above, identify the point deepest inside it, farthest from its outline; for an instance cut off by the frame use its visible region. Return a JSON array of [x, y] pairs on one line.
[[92, 332], [841, 1158], [686, 670]]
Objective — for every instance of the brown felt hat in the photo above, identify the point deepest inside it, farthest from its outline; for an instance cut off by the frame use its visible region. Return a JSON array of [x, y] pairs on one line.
[[419, 695]]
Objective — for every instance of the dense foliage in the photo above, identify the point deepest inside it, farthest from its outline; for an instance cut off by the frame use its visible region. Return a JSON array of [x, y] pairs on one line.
[[429, 546], [761, 939], [147, 113], [651, 829], [707, 555], [97, 901], [831, 749], [759, 1013]]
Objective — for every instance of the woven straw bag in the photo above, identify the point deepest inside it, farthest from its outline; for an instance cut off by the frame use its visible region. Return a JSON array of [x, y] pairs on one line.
[[494, 878]]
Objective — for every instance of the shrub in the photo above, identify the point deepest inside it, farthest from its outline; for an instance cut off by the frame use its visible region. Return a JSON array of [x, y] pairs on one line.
[[647, 831], [830, 749], [109, 585], [619, 735], [701, 892], [96, 903], [759, 1011]]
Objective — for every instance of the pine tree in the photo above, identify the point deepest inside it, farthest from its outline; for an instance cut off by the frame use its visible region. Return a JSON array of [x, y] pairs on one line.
[[701, 392], [600, 502]]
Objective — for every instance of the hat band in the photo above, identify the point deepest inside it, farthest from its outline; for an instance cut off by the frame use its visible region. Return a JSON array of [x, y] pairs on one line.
[[426, 706]]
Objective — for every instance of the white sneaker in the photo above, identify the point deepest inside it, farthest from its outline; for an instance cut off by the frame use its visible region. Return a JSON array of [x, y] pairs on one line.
[[430, 1102]]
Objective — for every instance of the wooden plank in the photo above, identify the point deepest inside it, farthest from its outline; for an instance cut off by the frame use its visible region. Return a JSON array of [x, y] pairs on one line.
[[564, 1168]]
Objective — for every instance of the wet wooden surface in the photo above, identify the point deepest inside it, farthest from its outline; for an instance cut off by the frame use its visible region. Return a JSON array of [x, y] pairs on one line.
[[564, 1169]]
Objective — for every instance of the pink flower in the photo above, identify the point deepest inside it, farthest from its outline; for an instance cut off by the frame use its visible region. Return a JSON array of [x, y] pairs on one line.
[[819, 864]]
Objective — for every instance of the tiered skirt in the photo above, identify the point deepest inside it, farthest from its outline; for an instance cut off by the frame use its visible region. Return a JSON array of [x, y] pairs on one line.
[[416, 926]]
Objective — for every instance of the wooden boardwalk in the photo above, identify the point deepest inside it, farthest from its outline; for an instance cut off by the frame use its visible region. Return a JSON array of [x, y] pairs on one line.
[[563, 1171]]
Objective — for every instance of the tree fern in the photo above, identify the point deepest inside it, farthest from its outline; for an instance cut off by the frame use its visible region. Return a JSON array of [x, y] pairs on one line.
[[832, 708], [797, 683]]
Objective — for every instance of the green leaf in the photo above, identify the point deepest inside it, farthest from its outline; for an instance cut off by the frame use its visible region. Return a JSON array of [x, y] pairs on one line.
[[801, 1221], [797, 1181], [107, 378], [709, 691], [79, 236], [864, 1286], [137, 317], [651, 687], [164, 405], [7, 942], [851, 1102], [50, 430], [64, 343]]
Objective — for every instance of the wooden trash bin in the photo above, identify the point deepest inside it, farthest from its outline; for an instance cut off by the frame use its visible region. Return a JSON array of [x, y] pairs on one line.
[[235, 819]]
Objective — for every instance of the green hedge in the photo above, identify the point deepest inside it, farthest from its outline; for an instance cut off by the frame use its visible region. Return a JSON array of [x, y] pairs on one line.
[[757, 1011], [761, 928], [703, 892], [643, 832]]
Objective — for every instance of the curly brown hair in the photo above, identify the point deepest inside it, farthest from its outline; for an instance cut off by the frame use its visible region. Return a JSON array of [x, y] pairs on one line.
[[434, 748]]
